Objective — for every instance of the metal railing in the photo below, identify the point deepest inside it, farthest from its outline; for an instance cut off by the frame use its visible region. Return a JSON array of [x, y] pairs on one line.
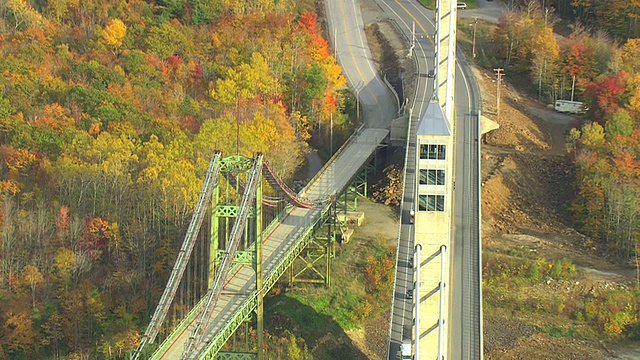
[[250, 303], [336, 155], [183, 255]]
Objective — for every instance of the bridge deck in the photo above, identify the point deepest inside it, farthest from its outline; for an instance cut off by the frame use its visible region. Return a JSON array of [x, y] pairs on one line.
[[276, 244]]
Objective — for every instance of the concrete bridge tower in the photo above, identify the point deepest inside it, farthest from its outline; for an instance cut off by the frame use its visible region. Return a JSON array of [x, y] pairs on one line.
[[434, 196]]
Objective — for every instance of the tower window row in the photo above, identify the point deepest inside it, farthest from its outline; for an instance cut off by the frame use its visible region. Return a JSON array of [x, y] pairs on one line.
[[431, 203], [432, 152], [431, 177]]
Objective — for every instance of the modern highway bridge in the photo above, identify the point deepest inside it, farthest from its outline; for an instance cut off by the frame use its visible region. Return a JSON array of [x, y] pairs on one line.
[[247, 266], [463, 333]]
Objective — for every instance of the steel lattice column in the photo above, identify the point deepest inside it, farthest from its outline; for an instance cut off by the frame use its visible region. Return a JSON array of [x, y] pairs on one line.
[[225, 206], [257, 266], [307, 267]]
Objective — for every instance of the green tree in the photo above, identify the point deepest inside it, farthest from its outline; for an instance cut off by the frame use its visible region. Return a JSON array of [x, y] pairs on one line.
[[64, 267], [294, 351], [6, 108], [167, 39], [620, 123]]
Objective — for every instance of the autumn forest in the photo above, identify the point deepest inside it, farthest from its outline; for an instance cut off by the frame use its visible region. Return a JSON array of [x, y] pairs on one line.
[[110, 111], [589, 51], [597, 63], [109, 114]]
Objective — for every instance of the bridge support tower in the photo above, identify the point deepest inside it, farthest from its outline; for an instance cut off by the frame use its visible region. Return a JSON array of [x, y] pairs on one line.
[[225, 207]]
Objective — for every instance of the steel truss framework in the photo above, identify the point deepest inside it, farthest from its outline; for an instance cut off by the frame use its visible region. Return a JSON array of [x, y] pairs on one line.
[[308, 261], [313, 264], [348, 200]]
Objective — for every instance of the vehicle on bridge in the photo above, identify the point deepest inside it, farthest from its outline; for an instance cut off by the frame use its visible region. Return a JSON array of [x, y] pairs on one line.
[[410, 294], [405, 350]]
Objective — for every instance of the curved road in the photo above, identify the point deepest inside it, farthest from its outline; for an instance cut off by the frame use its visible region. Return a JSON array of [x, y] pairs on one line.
[[347, 30]]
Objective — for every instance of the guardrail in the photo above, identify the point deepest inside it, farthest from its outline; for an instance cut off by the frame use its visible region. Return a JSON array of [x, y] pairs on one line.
[[404, 180], [386, 82], [351, 139]]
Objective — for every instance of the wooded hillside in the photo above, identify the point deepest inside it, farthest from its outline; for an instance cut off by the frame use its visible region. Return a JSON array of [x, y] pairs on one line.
[[588, 66], [605, 148], [109, 114]]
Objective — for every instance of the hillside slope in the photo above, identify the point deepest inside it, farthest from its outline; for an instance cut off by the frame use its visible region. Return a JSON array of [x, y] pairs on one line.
[[527, 179]]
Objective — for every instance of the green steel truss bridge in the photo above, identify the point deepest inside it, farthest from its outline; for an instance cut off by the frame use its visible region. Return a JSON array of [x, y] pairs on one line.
[[233, 252]]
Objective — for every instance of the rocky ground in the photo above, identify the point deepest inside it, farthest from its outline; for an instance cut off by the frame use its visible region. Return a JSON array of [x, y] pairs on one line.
[[527, 179]]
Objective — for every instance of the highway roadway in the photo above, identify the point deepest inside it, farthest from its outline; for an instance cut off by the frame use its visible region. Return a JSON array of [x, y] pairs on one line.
[[378, 107], [466, 317], [465, 335], [376, 102], [403, 15]]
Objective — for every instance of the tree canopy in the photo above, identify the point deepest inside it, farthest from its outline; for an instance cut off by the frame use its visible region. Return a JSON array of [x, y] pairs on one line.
[[109, 113]]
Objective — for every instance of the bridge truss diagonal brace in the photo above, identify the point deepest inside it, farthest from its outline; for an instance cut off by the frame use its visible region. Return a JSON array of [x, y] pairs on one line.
[[316, 257], [183, 255], [248, 197], [212, 348]]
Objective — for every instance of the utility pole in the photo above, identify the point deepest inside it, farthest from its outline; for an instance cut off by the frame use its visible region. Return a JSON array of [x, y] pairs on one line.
[[331, 137], [475, 23], [499, 74]]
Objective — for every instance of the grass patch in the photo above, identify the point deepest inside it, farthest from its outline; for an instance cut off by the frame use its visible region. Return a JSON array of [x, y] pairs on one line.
[[543, 287], [362, 281], [558, 332], [308, 320], [337, 305]]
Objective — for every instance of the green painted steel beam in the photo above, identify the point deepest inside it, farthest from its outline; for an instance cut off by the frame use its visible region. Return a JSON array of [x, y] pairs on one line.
[[251, 255], [182, 326], [245, 310], [257, 266], [236, 356]]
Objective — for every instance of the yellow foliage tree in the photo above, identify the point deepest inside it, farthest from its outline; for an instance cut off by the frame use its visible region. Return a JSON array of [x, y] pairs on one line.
[[545, 53], [114, 33], [631, 55], [24, 15], [634, 90], [64, 265], [592, 136], [32, 277]]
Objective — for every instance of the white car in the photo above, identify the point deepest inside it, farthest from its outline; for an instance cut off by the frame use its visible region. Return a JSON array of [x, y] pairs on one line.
[[462, 5]]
